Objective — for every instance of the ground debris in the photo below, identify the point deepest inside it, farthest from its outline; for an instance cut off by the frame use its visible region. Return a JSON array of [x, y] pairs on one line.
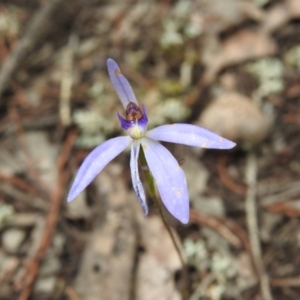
[[231, 66], [108, 262]]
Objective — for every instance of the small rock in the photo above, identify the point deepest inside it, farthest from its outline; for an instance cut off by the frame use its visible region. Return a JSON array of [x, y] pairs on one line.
[[196, 175], [154, 281], [235, 117], [45, 284], [21, 220], [12, 239], [212, 206], [78, 209], [45, 154], [156, 242]]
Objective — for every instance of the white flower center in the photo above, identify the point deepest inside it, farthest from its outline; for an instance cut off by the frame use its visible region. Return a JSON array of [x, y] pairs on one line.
[[136, 131]]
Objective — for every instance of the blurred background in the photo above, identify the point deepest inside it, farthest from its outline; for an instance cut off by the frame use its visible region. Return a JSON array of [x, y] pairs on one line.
[[230, 66]]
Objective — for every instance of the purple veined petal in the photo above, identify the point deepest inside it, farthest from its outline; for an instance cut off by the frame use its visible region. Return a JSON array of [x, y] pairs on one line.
[[121, 84], [95, 162], [136, 182], [169, 178], [190, 135]]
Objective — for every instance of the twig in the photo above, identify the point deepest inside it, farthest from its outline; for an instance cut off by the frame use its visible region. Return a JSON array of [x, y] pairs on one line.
[[69, 291], [35, 30], [286, 282], [67, 81], [216, 224], [228, 228], [32, 171], [19, 183], [291, 118], [240, 232], [251, 214], [243, 236], [291, 190], [22, 198], [265, 189], [285, 208], [52, 217], [225, 178]]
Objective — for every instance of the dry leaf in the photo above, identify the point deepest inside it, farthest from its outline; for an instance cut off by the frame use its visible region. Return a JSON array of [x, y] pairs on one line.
[[242, 46], [154, 281], [155, 273], [280, 14]]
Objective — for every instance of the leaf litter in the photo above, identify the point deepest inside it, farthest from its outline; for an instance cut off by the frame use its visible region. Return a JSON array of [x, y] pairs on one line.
[[176, 55]]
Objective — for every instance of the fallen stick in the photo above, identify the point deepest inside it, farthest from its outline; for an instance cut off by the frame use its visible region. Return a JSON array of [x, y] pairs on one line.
[[35, 30], [217, 224], [252, 223], [52, 218]]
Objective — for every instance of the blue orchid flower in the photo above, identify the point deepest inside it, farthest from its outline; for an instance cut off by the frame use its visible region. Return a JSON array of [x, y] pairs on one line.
[[167, 173]]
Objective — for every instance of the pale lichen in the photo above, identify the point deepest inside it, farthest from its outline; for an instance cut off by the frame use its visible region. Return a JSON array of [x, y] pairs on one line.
[[169, 110], [94, 127], [6, 211], [268, 72], [9, 23], [181, 23], [95, 121], [292, 57], [223, 267], [261, 3], [196, 253], [170, 36]]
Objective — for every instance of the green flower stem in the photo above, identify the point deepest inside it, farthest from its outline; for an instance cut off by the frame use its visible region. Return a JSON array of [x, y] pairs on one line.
[[153, 193], [148, 176]]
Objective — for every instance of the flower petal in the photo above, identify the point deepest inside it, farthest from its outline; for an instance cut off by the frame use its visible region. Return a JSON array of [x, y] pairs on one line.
[[136, 182], [121, 84], [169, 178], [95, 162], [191, 135]]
